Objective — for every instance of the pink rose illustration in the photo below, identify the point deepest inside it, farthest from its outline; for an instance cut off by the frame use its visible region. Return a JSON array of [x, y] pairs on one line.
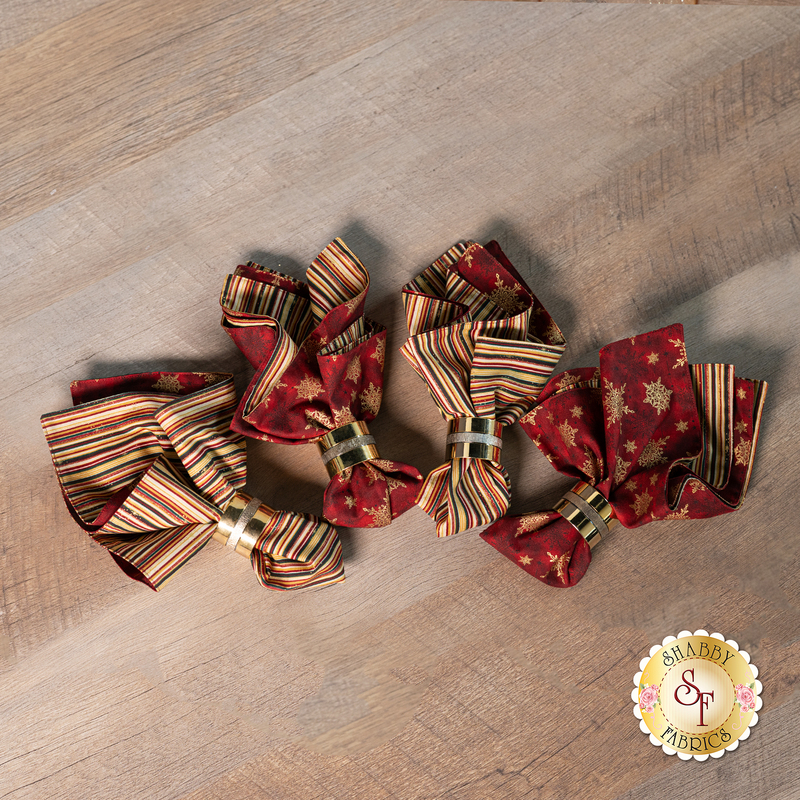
[[746, 697], [648, 698]]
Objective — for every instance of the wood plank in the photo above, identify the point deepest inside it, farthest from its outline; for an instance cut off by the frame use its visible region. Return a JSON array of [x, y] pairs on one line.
[[121, 80], [653, 187], [666, 2], [23, 20]]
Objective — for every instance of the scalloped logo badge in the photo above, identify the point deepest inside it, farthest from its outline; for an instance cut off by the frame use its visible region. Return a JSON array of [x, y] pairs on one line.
[[697, 695]]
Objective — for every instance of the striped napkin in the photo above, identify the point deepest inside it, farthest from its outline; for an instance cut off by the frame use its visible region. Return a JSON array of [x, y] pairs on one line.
[[485, 347], [148, 466]]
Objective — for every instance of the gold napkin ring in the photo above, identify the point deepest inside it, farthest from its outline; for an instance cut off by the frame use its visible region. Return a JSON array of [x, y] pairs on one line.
[[588, 511], [474, 437], [242, 523], [347, 446]]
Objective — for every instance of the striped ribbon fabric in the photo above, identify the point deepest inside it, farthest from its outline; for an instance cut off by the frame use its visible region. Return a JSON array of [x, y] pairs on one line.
[[148, 464], [485, 346], [319, 369], [657, 437]]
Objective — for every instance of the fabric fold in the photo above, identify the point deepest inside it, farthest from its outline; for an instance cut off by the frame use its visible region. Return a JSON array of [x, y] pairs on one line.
[[148, 465], [655, 437], [319, 368], [485, 347]]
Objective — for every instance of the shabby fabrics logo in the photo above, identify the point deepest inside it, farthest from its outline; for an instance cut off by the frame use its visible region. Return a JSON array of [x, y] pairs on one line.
[[696, 695]]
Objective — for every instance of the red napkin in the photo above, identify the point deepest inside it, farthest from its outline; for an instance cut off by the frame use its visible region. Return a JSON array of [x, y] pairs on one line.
[[319, 369], [649, 436]]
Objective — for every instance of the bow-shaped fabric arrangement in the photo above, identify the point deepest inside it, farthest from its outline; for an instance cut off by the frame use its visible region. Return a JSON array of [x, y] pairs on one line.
[[649, 437], [319, 378], [150, 469], [485, 347]]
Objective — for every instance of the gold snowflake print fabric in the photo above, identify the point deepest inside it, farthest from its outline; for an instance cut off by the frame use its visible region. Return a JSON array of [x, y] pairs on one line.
[[167, 383], [342, 416], [211, 378], [531, 522], [653, 453], [309, 388], [381, 516], [621, 470], [679, 343], [553, 333], [558, 564], [642, 503], [380, 351], [312, 345], [657, 395], [742, 452], [353, 371], [354, 301], [614, 402], [371, 398], [318, 419], [507, 297], [592, 467], [567, 433], [567, 380], [682, 514]]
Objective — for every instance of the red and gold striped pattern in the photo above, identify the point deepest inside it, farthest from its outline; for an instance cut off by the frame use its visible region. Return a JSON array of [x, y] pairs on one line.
[[485, 347], [318, 368], [465, 493], [291, 310], [147, 475], [713, 389], [249, 300], [336, 276], [725, 419]]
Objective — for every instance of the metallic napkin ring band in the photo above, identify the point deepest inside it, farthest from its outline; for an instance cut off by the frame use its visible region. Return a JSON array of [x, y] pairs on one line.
[[474, 437], [588, 511], [347, 446], [242, 523]]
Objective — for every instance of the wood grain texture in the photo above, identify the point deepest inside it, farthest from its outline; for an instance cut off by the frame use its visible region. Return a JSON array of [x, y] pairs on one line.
[[124, 79], [656, 186], [665, 2]]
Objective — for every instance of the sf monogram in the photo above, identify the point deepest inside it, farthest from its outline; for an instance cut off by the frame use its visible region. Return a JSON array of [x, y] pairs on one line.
[[696, 695], [690, 690]]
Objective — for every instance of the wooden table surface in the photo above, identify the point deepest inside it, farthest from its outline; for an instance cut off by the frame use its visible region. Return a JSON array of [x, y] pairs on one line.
[[640, 166]]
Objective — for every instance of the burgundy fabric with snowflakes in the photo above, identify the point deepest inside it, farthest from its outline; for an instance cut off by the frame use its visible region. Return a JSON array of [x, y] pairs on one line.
[[658, 437], [319, 366]]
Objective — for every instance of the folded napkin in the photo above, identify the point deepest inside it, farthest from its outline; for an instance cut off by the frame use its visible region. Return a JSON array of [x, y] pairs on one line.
[[648, 436], [150, 469], [485, 347], [319, 378]]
